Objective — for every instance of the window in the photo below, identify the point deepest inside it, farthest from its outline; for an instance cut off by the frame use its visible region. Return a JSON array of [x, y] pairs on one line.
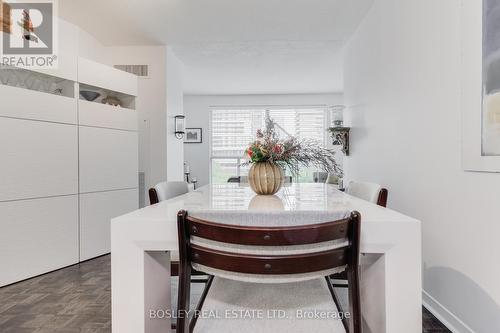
[[233, 129]]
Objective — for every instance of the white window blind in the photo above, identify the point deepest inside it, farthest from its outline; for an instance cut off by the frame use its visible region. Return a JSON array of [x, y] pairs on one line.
[[233, 129]]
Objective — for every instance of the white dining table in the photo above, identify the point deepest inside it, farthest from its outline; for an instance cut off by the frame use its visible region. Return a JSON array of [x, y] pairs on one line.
[[141, 242]]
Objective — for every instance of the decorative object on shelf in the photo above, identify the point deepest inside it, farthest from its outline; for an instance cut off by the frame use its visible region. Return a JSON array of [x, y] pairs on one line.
[[187, 176], [340, 136], [112, 100], [270, 156], [337, 115], [89, 95], [193, 135], [179, 126], [194, 181], [187, 171]]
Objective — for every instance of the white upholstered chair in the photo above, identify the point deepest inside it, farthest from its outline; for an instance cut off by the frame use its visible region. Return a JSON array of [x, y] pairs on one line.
[[332, 179], [257, 267], [368, 191], [167, 190]]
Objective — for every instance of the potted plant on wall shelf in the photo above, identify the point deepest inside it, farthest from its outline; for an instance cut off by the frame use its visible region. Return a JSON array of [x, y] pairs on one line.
[[270, 155]]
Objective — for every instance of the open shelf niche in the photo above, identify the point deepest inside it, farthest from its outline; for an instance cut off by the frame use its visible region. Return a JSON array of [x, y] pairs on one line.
[[31, 80], [126, 101]]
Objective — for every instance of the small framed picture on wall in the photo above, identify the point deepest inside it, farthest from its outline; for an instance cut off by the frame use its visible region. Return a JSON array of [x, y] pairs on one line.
[[193, 135]]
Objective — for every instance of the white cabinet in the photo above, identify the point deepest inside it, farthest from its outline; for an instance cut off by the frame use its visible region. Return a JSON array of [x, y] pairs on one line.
[[102, 115], [37, 236], [96, 212], [108, 159], [38, 159], [99, 75], [67, 166], [35, 105]]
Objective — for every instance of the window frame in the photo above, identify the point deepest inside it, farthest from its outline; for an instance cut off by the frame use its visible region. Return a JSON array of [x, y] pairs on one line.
[[266, 108]]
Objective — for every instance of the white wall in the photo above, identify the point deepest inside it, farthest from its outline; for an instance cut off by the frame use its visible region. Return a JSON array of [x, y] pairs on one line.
[[175, 147], [402, 89], [197, 111], [151, 107]]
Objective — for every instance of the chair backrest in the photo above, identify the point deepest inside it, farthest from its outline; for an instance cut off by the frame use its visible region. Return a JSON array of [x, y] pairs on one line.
[[233, 180], [167, 190], [269, 254], [368, 191], [332, 179], [320, 176]]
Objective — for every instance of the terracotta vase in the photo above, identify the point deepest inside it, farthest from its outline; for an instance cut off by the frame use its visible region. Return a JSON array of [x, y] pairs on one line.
[[265, 178]]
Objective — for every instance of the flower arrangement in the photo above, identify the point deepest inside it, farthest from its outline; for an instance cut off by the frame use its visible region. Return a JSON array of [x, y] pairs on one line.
[[290, 153]]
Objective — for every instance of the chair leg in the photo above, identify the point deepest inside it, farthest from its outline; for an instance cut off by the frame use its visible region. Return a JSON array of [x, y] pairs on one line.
[[207, 282], [354, 299], [182, 325], [200, 303], [335, 297]]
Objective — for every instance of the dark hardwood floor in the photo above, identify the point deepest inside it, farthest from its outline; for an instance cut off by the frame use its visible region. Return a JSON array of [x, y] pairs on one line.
[[77, 299]]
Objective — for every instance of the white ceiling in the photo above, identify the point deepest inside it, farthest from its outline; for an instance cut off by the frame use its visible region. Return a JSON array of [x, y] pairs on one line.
[[234, 46]]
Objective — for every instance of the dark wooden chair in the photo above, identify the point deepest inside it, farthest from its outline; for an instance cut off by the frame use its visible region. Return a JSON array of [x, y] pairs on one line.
[[381, 200], [233, 180], [174, 264], [382, 197], [368, 191], [248, 265], [161, 191]]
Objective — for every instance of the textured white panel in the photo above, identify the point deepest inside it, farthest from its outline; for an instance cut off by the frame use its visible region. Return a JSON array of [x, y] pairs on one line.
[[108, 159], [99, 75], [96, 212], [102, 115], [38, 159], [30, 104], [37, 236]]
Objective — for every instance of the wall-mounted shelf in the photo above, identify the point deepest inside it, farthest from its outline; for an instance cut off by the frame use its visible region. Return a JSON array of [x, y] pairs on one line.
[[340, 137]]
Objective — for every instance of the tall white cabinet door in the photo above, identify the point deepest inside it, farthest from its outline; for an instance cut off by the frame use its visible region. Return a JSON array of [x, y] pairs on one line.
[[38, 159], [37, 236], [108, 159], [36, 105], [96, 212]]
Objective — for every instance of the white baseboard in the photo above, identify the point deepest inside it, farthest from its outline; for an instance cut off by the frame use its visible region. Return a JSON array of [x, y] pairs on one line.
[[452, 322]]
